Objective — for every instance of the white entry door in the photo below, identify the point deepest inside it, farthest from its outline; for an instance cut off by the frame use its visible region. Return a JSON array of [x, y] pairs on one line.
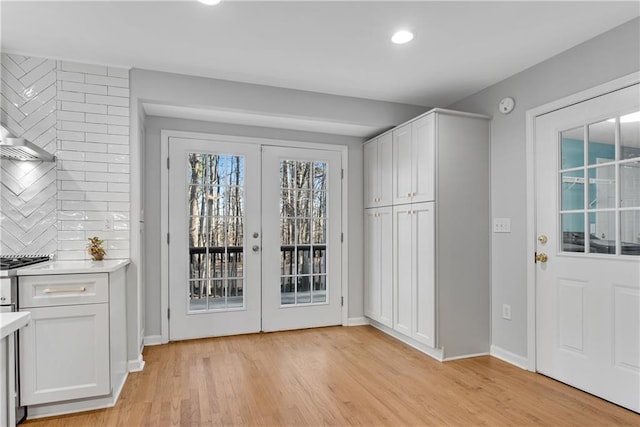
[[214, 209], [254, 238], [587, 160], [302, 253]]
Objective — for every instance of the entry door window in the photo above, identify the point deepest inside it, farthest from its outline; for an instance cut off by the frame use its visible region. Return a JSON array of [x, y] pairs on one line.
[[215, 229], [303, 232], [600, 187]]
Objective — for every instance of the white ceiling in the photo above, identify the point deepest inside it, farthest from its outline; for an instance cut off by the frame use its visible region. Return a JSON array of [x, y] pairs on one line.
[[334, 47]]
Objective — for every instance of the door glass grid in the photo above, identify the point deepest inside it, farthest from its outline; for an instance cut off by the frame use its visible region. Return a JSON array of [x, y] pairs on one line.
[[216, 232], [599, 183], [303, 232]]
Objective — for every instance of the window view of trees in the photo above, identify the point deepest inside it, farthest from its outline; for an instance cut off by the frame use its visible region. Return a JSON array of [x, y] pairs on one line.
[[216, 230], [303, 231]]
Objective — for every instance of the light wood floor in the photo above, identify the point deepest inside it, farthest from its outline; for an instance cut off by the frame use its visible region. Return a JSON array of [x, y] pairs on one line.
[[336, 376]]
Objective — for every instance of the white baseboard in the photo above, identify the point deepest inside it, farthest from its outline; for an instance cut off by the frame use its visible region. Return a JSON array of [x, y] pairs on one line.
[[465, 356], [436, 353], [136, 365], [357, 321], [153, 340], [509, 357]]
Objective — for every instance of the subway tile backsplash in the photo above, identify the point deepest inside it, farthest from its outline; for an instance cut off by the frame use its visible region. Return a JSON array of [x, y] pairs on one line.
[[80, 112]]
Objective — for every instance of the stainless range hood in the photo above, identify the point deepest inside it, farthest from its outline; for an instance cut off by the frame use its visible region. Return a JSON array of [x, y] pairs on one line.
[[14, 148]]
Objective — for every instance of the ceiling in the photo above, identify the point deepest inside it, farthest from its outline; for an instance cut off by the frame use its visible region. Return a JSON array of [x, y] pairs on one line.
[[334, 47]]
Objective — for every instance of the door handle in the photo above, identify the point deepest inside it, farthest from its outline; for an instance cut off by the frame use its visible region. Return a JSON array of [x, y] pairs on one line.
[[541, 257]]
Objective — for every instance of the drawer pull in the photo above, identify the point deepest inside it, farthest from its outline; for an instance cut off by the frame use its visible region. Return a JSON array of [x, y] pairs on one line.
[[57, 291]]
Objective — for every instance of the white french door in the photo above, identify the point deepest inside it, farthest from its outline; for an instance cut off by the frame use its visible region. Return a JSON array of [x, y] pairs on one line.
[[254, 238], [214, 209], [587, 165], [301, 258]]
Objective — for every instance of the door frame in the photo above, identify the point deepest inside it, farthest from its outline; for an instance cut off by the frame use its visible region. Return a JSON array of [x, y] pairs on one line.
[[531, 232], [166, 134]]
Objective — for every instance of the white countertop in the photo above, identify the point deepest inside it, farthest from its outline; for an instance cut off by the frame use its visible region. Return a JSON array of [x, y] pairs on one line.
[[73, 267], [11, 322]]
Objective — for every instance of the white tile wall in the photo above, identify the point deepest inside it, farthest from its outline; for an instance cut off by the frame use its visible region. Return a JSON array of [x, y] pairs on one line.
[[80, 112], [28, 189], [93, 159]]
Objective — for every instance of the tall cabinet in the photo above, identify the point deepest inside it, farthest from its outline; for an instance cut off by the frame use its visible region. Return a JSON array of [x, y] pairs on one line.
[[432, 290]]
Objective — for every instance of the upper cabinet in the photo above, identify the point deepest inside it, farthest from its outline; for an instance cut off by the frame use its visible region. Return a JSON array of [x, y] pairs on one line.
[[378, 173], [414, 161]]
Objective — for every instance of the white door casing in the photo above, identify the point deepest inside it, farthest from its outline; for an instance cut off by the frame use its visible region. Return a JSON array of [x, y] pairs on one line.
[[587, 305]]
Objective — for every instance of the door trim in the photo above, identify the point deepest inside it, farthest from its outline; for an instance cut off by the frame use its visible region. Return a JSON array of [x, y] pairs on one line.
[[531, 234], [165, 135]]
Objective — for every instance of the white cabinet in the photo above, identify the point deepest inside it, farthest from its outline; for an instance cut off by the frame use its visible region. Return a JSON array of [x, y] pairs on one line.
[[440, 237], [413, 271], [414, 165], [378, 173], [66, 353], [378, 226], [74, 348]]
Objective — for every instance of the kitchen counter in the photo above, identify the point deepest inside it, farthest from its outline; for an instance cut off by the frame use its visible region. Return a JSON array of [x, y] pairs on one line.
[[11, 322], [73, 267]]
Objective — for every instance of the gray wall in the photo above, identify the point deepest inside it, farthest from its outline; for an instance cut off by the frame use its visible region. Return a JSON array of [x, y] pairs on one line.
[[604, 58], [200, 92]]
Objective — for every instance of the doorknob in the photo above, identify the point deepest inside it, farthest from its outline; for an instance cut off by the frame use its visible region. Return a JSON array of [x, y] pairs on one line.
[[541, 257], [255, 248], [543, 239], [256, 235]]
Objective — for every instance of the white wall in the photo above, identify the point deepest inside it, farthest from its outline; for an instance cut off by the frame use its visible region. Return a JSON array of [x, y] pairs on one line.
[[200, 92], [604, 58]]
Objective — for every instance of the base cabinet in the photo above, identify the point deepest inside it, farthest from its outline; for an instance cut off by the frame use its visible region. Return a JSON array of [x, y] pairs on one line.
[[73, 353], [68, 353]]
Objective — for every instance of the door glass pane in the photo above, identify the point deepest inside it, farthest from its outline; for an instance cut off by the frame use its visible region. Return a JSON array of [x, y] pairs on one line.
[[572, 148], [216, 231], [603, 232], [303, 223], [572, 190], [630, 232], [320, 289], [630, 136], [602, 188], [602, 142], [573, 237], [630, 185]]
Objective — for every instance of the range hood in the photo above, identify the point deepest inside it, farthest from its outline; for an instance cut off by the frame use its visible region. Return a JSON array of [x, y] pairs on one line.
[[14, 148]]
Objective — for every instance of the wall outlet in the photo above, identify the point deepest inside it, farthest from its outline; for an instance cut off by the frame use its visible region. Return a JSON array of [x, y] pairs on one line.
[[506, 311], [502, 225]]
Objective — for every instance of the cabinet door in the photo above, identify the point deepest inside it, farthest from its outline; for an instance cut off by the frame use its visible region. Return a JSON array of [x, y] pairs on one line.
[[402, 269], [372, 278], [424, 325], [385, 170], [402, 165], [423, 157], [378, 273], [371, 175], [64, 354]]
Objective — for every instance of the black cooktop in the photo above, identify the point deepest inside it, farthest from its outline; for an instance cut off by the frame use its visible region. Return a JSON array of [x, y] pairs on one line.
[[9, 262]]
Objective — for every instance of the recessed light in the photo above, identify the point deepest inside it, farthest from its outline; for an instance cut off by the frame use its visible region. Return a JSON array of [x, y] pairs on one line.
[[402, 37], [209, 2]]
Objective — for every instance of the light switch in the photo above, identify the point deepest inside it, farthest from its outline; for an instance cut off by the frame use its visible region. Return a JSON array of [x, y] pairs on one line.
[[502, 225]]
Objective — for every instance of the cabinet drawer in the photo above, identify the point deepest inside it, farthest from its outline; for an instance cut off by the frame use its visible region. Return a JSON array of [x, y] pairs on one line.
[[46, 291]]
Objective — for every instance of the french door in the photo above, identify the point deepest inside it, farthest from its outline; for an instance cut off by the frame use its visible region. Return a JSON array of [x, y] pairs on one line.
[[254, 238], [588, 250]]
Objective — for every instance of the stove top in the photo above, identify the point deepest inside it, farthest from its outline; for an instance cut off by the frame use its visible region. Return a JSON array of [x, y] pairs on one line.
[[9, 262]]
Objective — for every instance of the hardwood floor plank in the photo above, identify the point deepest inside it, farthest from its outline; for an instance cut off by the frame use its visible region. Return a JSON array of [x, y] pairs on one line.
[[336, 376]]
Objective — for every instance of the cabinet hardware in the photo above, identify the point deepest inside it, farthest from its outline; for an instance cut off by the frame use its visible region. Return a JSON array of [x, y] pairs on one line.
[[57, 291]]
